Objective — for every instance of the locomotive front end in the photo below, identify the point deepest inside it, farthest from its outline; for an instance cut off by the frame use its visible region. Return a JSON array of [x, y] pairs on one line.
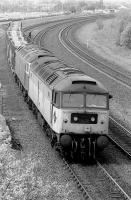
[[84, 117]]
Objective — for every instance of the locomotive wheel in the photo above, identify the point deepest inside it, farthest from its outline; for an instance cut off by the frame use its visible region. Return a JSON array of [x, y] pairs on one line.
[[30, 104], [52, 138], [83, 156], [94, 149]]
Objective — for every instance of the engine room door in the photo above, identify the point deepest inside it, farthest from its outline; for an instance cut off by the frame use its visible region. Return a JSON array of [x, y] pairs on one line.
[[56, 119]]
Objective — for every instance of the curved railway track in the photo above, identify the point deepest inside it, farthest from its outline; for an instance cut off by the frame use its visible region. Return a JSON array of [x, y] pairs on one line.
[[67, 40]]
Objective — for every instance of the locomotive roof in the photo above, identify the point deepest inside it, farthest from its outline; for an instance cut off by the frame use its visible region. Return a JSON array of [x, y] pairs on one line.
[[62, 77], [81, 83], [31, 52], [52, 71]]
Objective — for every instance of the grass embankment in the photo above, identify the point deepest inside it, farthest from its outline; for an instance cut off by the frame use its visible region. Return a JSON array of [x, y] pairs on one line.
[[104, 42]]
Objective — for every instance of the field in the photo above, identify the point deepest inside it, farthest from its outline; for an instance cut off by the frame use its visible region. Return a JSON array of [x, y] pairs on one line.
[[103, 42]]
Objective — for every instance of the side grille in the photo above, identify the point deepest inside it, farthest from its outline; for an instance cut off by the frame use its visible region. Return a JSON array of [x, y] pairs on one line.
[[84, 118]]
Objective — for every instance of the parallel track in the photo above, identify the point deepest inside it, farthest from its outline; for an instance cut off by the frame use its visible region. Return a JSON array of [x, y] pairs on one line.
[[90, 183], [117, 192], [85, 55]]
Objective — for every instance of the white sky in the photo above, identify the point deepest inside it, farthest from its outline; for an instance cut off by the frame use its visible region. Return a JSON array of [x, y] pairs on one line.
[[104, 1], [99, 0], [110, 1]]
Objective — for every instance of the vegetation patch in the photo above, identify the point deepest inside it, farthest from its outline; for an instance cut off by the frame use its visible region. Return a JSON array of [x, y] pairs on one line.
[[15, 143], [111, 39], [25, 176]]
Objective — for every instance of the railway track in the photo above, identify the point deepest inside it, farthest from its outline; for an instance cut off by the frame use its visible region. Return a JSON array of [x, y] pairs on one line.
[[124, 139], [79, 183], [95, 182], [65, 37]]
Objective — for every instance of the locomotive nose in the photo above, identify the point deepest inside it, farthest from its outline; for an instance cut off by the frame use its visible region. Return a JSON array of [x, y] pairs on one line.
[[66, 141], [102, 142]]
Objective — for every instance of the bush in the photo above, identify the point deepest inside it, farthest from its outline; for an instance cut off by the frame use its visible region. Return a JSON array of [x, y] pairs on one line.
[[125, 38], [122, 25], [123, 19]]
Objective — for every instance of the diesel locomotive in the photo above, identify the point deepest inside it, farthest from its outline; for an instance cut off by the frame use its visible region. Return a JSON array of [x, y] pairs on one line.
[[72, 105]]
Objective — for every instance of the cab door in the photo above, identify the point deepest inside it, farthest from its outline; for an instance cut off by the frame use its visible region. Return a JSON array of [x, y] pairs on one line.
[[56, 112]]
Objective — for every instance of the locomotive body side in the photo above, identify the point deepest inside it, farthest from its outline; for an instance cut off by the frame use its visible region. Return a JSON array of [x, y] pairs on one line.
[[41, 95], [25, 57]]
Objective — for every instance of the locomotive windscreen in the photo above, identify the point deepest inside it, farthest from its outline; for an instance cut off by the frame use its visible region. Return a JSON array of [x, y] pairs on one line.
[[80, 100], [95, 100]]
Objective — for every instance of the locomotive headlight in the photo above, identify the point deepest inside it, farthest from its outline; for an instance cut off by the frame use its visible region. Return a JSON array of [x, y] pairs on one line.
[[65, 120], [65, 117], [103, 119], [75, 119], [92, 119]]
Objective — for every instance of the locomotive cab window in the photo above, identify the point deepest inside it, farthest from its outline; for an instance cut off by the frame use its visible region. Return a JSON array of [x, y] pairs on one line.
[[56, 99], [27, 68], [96, 101], [73, 100]]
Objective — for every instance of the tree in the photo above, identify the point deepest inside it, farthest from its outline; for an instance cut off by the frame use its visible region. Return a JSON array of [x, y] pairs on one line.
[[72, 9], [125, 38], [58, 6], [123, 18]]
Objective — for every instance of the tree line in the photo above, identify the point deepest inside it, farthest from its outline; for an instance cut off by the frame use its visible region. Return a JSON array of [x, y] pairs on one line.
[[43, 5]]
